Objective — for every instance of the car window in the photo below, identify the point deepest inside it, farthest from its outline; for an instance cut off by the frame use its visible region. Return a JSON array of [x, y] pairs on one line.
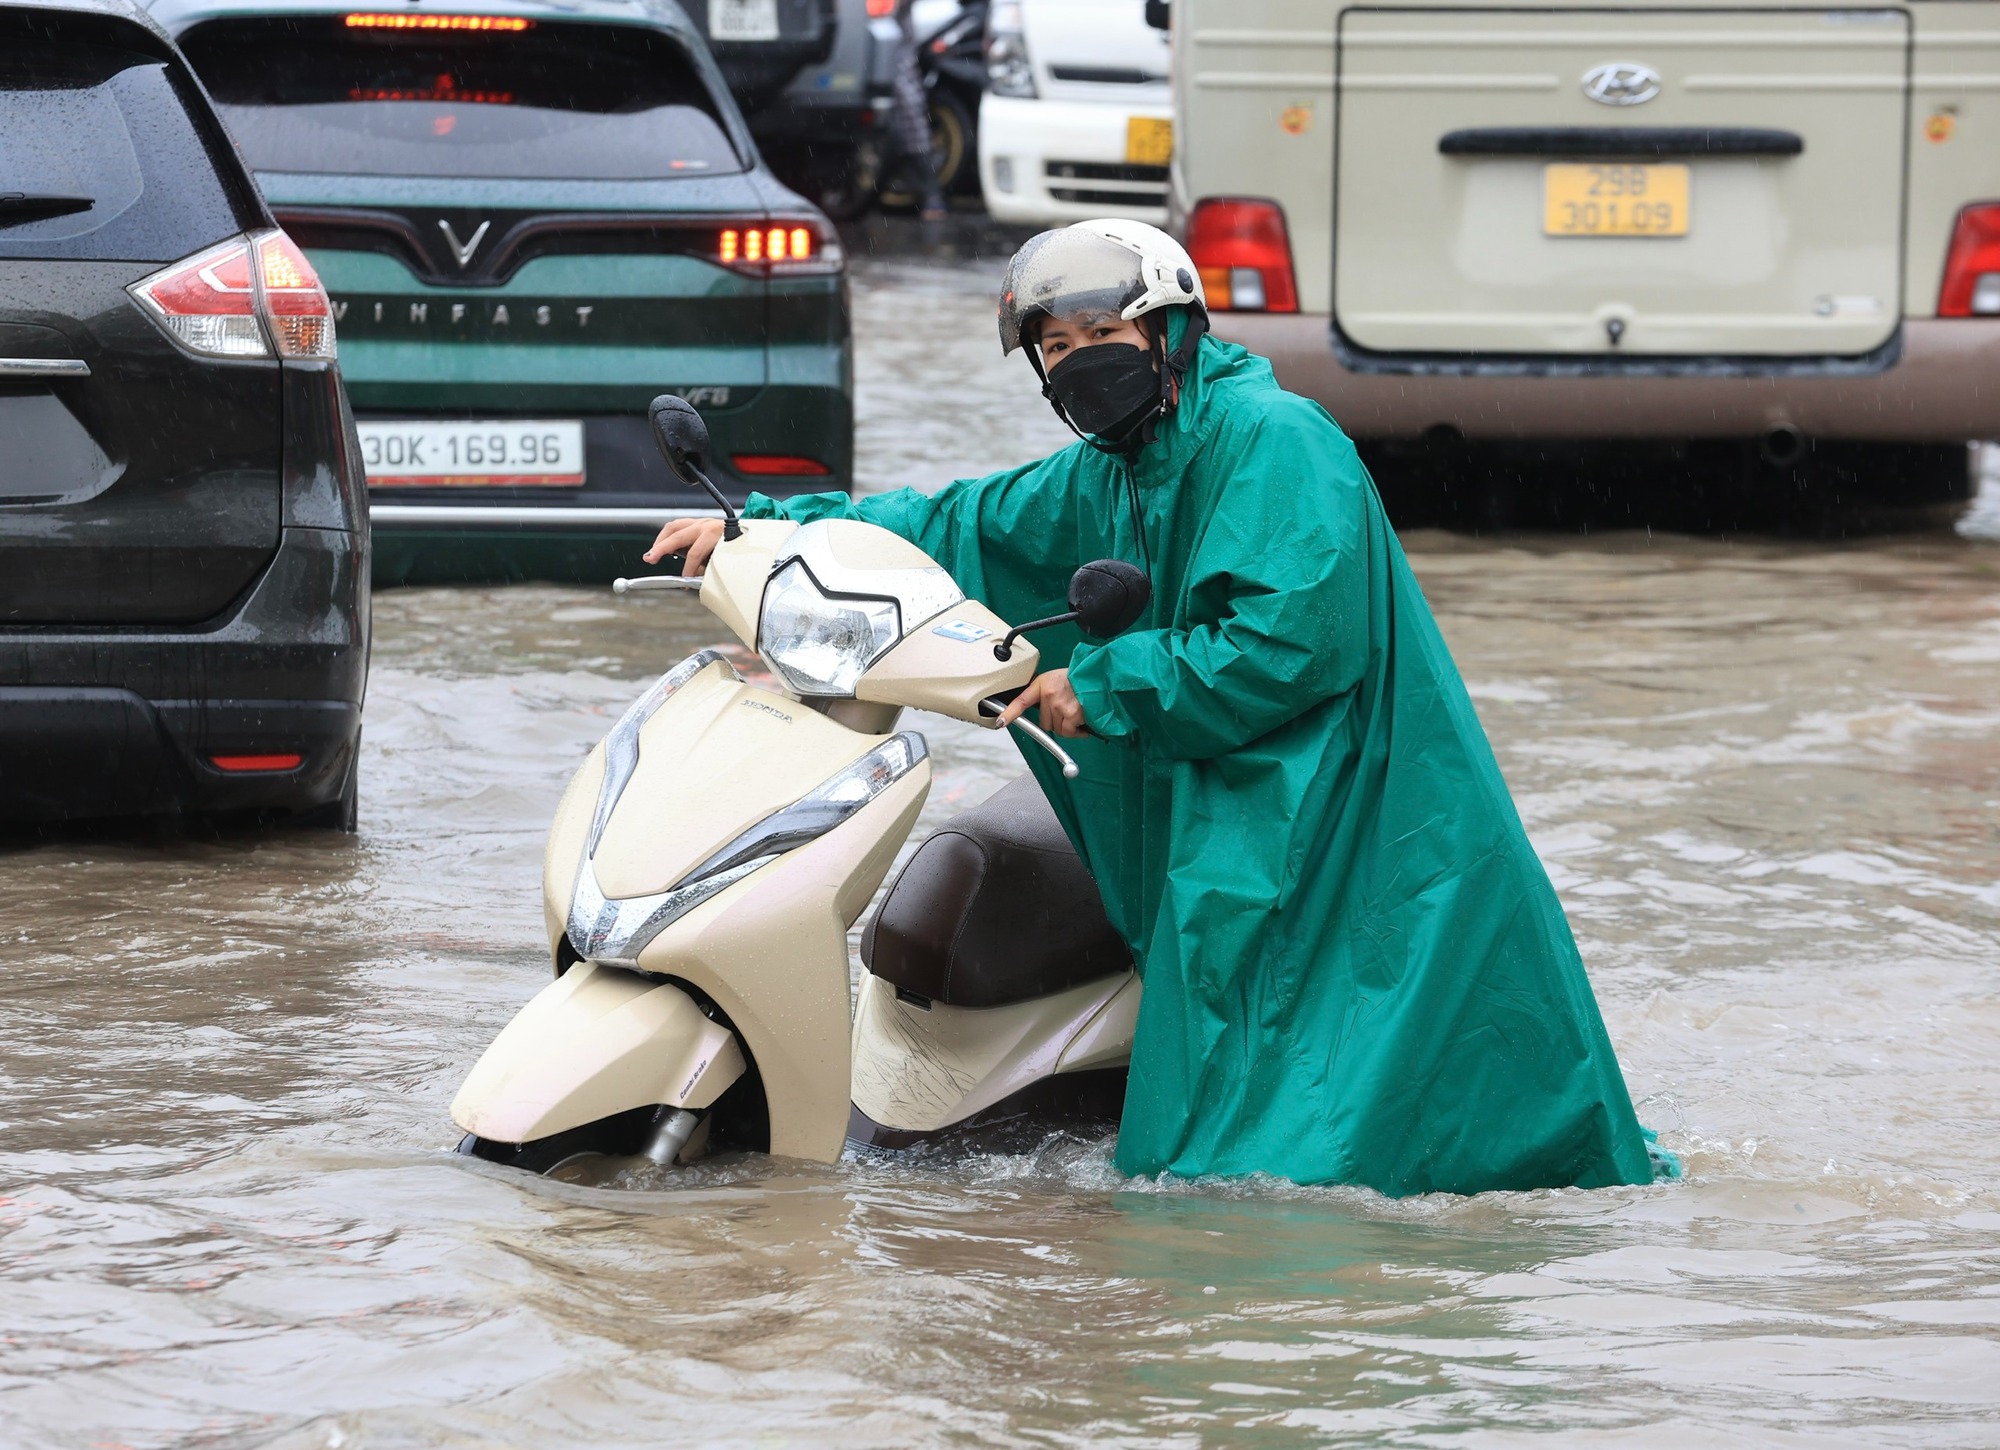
[[99, 158], [363, 94]]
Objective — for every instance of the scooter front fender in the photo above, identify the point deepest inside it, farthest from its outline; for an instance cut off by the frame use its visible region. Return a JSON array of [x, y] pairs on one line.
[[594, 1042]]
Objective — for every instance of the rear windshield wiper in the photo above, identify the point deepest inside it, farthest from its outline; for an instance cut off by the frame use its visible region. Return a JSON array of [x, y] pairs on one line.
[[17, 208]]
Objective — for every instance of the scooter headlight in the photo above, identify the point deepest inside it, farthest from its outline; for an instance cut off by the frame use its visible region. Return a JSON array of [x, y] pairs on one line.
[[816, 643]]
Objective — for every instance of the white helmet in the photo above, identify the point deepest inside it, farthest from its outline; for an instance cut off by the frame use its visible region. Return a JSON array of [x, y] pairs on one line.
[[1095, 269]]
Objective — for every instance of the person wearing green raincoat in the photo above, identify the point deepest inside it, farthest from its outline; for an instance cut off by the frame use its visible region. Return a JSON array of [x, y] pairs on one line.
[[1355, 968]]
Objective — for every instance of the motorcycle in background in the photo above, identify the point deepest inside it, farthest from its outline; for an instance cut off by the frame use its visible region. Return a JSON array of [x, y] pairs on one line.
[[951, 61], [831, 135]]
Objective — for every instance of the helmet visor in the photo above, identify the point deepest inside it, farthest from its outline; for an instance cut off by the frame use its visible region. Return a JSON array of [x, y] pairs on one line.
[[1071, 274]]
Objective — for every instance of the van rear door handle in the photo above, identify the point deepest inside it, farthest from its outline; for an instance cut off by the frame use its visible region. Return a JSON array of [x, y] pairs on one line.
[[42, 367], [1620, 141]]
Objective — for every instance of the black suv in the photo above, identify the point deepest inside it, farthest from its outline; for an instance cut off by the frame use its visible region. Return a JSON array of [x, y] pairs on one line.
[[183, 532]]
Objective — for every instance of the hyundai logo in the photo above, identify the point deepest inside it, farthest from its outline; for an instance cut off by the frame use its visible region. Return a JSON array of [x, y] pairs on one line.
[[1621, 83]]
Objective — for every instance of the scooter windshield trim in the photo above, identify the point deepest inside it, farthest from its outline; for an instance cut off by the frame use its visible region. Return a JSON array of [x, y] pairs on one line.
[[827, 805], [621, 746], [602, 930], [617, 931]]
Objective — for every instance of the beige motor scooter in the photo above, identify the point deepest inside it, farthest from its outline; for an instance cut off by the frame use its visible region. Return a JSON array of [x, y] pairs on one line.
[[707, 861]]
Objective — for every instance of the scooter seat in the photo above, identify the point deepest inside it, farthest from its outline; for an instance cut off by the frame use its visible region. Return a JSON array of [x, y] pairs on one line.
[[994, 907]]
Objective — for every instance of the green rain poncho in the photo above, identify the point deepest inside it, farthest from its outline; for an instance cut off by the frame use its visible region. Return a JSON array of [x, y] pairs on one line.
[[1355, 968]]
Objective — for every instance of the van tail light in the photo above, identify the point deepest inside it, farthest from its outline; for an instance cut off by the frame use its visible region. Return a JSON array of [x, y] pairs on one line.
[[1244, 255], [218, 304], [779, 247], [1972, 266]]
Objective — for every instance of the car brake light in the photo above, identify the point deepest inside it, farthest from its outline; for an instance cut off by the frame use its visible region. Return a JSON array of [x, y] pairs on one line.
[[758, 244], [249, 764], [370, 21], [1972, 266], [782, 247], [779, 465], [208, 303], [299, 311], [1244, 255], [881, 9], [211, 303]]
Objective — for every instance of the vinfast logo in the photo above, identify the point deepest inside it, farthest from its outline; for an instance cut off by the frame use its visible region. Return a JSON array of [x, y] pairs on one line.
[[498, 317], [1621, 83], [463, 250]]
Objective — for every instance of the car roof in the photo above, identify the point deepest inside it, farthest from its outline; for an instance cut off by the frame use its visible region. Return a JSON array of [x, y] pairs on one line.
[[178, 15], [105, 9]]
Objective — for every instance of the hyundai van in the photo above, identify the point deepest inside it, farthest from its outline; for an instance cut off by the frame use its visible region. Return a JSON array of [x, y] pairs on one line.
[[1775, 228]]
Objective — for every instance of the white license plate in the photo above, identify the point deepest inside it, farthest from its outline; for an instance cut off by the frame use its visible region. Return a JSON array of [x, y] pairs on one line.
[[742, 19], [511, 452]]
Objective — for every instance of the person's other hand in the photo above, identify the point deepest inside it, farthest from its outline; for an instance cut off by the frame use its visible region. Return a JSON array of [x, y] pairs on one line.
[[695, 538], [1061, 712]]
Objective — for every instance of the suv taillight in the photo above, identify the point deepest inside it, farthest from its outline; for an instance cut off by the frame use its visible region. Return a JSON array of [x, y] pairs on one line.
[[1244, 255], [781, 246], [208, 303], [1972, 266], [296, 306], [215, 305]]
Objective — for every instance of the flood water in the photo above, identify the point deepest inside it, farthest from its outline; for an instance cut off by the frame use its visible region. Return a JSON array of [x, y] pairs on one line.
[[1765, 777]]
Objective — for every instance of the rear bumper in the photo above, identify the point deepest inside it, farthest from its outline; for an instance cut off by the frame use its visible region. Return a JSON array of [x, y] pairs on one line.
[[1943, 387], [489, 542], [112, 722], [504, 519], [1021, 139], [76, 752], [597, 532], [623, 467]]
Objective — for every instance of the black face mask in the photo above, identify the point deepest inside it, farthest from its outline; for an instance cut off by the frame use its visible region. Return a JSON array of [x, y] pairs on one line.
[[1109, 390]]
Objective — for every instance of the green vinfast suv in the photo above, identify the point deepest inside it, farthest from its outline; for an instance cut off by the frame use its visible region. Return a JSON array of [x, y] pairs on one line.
[[532, 220]]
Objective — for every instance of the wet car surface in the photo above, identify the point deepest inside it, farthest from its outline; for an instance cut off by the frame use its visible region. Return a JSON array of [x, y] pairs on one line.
[[531, 222], [1764, 776], [183, 532]]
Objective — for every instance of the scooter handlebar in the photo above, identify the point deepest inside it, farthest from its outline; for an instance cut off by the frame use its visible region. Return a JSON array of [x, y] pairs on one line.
[[994, 704]]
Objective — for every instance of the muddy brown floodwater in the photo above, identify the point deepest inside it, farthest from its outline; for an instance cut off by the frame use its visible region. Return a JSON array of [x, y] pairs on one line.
[[1765, 777]]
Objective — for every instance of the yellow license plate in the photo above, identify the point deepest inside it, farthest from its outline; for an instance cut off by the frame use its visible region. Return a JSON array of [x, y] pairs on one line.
[[1149, 141], [1614, 199]]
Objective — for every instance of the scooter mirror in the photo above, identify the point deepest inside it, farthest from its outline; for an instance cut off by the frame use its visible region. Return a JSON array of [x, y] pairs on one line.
[[683, 438], [1108, 595], [681, 434]]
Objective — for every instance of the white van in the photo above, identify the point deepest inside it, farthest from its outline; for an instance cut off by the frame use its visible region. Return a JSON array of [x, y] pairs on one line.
[[1555, 219], [1077, 119]]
